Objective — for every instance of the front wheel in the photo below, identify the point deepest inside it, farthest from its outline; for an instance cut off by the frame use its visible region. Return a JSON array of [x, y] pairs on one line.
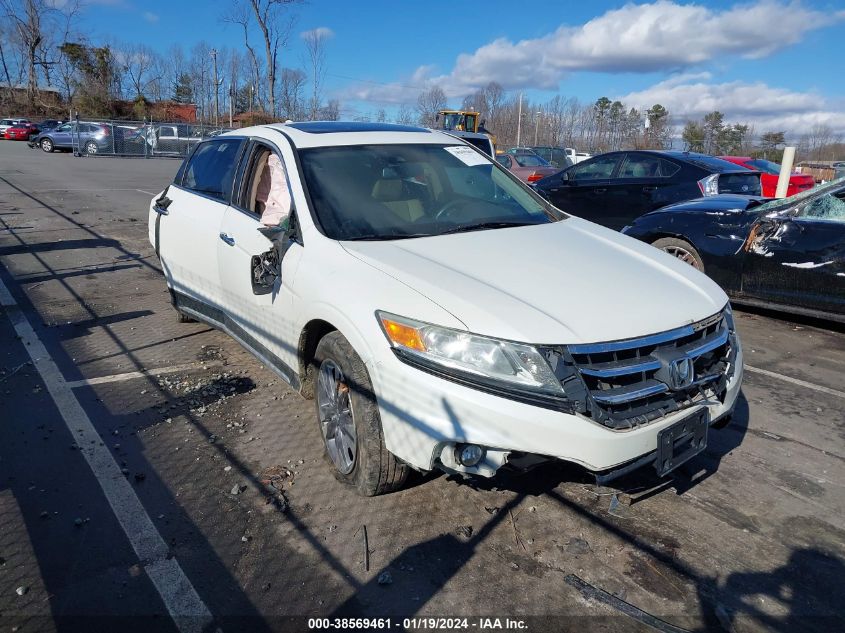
[[350, 423], [682, 250], [47, 145]]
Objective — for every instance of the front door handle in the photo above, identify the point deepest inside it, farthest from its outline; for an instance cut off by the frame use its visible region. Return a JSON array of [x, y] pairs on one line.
[[648, 189], [599, 190], [229, 240]]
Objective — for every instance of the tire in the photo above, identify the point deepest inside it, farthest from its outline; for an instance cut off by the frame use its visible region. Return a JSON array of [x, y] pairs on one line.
[[91, 147], [47, 145], [680, 249], [346, 404]]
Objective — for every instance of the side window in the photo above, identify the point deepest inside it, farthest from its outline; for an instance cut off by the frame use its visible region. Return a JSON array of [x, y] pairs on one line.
[[211, 168], [504, 161], [647, 166], [595, 169]]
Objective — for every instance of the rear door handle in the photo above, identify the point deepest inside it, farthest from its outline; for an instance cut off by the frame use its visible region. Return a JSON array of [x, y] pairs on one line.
[[229, 240], [648, 189], [599, 190]]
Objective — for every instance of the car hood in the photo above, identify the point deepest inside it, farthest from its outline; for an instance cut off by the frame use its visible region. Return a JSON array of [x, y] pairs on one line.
[[566, 282]]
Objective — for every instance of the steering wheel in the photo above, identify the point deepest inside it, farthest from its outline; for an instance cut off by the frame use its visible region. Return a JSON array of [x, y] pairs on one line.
[[444, 211]]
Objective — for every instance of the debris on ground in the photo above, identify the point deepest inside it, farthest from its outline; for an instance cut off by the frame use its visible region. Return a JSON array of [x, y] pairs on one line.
[[492, 510], [205, 395], [464, 530], [276, 481], [384, 578], [23, 590], [237, 489]]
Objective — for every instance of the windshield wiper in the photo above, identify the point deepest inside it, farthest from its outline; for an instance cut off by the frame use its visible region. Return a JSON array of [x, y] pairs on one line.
[[486, 225]]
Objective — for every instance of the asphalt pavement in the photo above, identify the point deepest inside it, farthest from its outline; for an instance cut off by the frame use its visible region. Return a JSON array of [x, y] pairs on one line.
[[154, 476]]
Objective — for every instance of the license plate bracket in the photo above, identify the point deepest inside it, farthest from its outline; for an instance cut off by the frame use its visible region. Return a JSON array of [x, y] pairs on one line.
[[682, 441]]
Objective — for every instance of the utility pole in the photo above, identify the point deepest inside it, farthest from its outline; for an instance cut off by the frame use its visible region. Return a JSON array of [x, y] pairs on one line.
[[536, 127], [231, 103], [519, 121], [216, 89]]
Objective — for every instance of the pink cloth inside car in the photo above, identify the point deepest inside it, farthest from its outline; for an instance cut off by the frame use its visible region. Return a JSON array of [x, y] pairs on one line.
[[273, 192]]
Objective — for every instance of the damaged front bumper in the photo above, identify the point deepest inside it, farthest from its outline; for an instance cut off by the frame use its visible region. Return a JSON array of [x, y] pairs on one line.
[[426, 418]]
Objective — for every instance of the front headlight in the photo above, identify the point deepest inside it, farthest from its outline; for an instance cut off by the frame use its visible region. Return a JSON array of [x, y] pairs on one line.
[[516, 369]]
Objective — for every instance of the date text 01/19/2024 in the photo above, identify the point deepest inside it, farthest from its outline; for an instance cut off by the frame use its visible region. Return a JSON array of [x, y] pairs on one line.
[[410, 624]]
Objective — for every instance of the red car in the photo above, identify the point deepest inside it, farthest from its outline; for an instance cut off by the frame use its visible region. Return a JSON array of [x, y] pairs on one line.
[[769, 173], [21, 132], [527, 166]]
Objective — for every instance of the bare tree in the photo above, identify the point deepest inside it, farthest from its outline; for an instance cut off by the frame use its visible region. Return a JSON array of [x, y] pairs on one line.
[[292, 82], [405, 116], [240, 14], [30, 19], [137, 61], [429, 103], [275, 28], [315, 46]]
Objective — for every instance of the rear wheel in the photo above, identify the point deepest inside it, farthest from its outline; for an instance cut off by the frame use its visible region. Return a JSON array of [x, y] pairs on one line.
[[47, 145], [349, 420], [681, 249], [91, 147]]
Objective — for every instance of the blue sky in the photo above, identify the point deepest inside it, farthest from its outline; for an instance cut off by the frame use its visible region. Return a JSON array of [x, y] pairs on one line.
[[766, 60]]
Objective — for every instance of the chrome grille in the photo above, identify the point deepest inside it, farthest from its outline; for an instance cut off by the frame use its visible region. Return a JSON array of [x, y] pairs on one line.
[[627, 383]]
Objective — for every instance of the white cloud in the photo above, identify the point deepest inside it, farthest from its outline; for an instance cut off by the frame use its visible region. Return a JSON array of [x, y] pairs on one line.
[[150, 17], [637, 38], [321, 32], [767, 107]]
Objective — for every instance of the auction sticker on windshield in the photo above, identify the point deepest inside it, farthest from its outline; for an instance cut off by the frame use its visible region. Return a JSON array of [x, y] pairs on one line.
[[467, 155]]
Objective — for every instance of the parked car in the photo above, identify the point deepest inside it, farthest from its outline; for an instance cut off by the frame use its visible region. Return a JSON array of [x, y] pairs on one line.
[[21, 132], [476, 139], [786, 254], [172, 139], [409, 296], [614, 188], [579, 157], [556, 156], [90, 138], [769, 174], [5, 124], [526, 165], [838, 170]]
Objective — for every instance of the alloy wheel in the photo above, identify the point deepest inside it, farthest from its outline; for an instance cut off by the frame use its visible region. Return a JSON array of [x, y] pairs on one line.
[[683, 254], [336, 417]]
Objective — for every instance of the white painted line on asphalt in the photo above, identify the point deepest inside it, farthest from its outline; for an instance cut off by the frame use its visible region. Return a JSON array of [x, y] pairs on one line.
[[180, 598], [98, 189], [796, 381], [132, 375]]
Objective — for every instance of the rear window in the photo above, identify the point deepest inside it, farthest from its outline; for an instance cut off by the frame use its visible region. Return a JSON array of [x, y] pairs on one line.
[[211, 169], [712, 164], [745, 184], [530, 160], [766, 166]]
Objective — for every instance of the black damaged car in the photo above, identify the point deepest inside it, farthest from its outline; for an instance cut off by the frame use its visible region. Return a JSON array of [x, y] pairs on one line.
[[784, 254]]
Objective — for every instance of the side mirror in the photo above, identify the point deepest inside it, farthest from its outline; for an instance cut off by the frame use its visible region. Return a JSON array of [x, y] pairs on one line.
[[266, 268]]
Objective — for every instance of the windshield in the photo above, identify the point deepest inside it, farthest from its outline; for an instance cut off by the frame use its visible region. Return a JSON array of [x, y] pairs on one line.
[[382, 192], [766, 166], [833, 188]]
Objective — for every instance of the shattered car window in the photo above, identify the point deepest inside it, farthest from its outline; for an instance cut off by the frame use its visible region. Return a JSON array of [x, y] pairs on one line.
[[834, 187], [827, 207]]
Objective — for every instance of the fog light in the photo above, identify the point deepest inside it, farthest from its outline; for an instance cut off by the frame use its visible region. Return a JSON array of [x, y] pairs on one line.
[[468, 454]]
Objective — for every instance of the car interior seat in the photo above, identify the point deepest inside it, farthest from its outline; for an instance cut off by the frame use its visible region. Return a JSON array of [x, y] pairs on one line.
[[391, 193], [260, 168]]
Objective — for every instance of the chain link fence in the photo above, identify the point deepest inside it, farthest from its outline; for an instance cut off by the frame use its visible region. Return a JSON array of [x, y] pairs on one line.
[[126, 138]]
